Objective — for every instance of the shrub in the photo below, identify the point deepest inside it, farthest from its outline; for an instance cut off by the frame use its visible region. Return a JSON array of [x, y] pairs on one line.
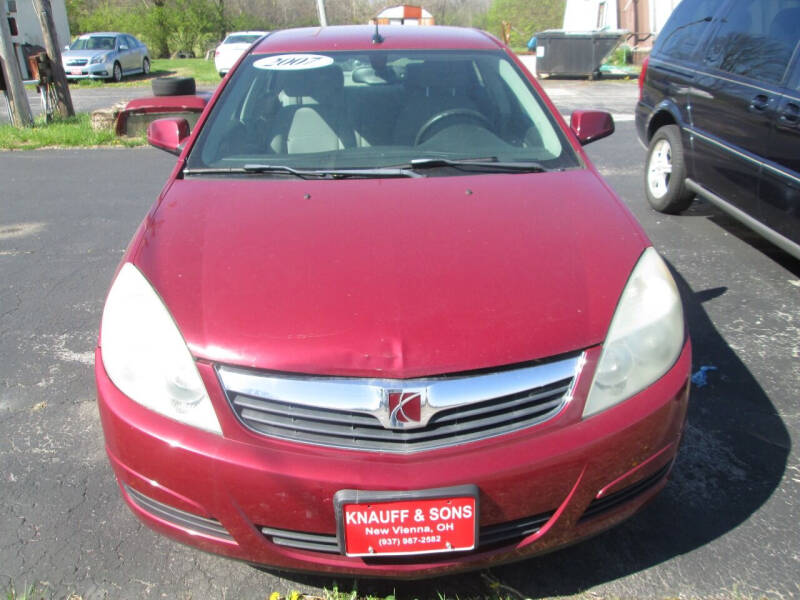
[[526, 17]]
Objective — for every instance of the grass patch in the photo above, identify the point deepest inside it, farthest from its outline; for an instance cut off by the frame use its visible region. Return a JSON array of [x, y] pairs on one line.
[[203, 71], [27, 593], [75, 132]]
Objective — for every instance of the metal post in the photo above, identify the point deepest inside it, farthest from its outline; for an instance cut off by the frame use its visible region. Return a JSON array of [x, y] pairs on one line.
[[20, 108], [63, 98], [323, 19]]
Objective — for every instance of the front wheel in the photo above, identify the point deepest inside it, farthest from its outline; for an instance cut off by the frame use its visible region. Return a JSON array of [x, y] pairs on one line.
[[116, 73], [665, 172], [146, 66]]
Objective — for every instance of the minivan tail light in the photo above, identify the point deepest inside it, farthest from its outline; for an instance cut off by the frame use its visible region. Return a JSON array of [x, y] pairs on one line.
[[642, 75]]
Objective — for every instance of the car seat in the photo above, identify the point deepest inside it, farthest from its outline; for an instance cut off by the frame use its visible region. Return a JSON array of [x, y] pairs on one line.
[[317, 120]]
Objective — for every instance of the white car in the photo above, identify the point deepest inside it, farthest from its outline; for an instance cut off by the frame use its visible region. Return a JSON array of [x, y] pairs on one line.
[[232, 47]]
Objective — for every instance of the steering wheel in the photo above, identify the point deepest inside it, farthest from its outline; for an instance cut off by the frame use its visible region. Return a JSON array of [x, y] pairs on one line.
[[453, 113]]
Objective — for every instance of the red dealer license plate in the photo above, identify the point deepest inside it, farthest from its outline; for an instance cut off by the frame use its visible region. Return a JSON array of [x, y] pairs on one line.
[[380, 523]]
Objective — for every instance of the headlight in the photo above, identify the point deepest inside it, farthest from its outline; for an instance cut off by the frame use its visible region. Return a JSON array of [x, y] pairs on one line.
[[145, 356], [645, 337], [100, 58]]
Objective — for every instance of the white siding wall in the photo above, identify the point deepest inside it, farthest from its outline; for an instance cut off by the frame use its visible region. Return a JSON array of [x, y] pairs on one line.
[[30, 32], [588, 15]]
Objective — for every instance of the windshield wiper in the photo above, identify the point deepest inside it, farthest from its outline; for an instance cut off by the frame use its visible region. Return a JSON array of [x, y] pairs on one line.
[[254, 169], [490, 164]]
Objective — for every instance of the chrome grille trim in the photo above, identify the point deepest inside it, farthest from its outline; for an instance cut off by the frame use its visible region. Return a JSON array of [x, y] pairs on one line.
[[353, 413], [499, 534]]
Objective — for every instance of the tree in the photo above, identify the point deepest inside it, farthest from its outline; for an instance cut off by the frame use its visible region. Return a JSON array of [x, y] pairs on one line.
[[526, 17]]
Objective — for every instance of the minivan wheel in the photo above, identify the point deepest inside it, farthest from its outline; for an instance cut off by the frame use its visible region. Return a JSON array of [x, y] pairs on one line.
[[665, 172]]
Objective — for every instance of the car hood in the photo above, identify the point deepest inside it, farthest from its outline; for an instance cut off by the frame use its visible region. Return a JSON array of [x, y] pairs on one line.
[[390, 278], [66, 54]]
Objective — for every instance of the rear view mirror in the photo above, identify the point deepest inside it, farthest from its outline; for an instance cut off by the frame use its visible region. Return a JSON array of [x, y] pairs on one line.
[[591, 125], [168, 134]]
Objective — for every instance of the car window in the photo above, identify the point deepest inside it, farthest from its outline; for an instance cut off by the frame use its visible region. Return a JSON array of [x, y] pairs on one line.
[[93, 42], [379, 109], [756, 39], [242, 39], [685, 28]]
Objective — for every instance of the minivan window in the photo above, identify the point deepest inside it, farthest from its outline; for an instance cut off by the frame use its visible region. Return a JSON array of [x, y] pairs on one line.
[[685, 28], [756, 39]]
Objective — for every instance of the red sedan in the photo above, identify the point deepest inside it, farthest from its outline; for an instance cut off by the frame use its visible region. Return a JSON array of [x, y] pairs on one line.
[[387, 319]]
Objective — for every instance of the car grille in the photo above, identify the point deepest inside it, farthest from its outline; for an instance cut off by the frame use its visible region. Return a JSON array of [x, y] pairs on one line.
[[347, 413], [493, 535], [607, 503], [180, 518], [77, 62]]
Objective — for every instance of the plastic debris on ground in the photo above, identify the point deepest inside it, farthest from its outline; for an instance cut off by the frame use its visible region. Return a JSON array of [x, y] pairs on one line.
[[700, 379], [619, 71]]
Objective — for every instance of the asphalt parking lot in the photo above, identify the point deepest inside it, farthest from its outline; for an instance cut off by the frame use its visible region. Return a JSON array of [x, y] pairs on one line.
[[726, 526]]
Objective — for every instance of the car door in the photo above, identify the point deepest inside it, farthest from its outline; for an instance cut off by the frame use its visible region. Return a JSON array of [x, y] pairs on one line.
[[137, 52], [779, 194], [124, 53], [732, 103]]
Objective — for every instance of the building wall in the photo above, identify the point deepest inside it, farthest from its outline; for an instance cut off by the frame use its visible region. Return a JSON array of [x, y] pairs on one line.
[[28, 29], [404, 14], [589, 15], [644, 19]]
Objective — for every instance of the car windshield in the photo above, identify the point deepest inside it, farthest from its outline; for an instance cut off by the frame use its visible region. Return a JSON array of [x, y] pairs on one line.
[[242, 39], [453, 110], [93, 42]]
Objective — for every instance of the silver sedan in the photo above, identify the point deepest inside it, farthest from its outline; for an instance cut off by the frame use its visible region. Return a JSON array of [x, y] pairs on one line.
[[108, 55]]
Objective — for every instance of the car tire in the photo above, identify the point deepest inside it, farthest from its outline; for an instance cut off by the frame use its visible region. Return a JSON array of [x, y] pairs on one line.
[[116, 72], [146, 66], [174, 86], [665, 172]]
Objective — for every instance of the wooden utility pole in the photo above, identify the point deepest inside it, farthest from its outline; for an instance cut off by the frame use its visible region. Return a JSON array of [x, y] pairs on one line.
[[17, 98], [63, 99]]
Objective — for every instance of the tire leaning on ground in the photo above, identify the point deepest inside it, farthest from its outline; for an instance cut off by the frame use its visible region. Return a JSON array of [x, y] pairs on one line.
[[665, 172], [146, 66], [174, 86], [116, 72]]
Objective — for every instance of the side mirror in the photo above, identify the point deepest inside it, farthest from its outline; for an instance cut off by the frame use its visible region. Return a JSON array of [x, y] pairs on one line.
[[168, 134], [123, 46], [591, 125]]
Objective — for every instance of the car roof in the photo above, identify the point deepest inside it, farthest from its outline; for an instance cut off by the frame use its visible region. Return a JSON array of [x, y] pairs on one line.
[[359, 37], [253, 32]]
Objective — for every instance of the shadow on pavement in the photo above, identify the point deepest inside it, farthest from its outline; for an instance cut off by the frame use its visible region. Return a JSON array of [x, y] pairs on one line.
[[733, 456], [703, 208]]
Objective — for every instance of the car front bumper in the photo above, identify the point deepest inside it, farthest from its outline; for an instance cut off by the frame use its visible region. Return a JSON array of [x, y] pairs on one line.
[[88, 71], [572, 477]]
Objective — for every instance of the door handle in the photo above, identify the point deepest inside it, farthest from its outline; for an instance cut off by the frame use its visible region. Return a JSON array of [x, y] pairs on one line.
[[759, 103], [790, 115]]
